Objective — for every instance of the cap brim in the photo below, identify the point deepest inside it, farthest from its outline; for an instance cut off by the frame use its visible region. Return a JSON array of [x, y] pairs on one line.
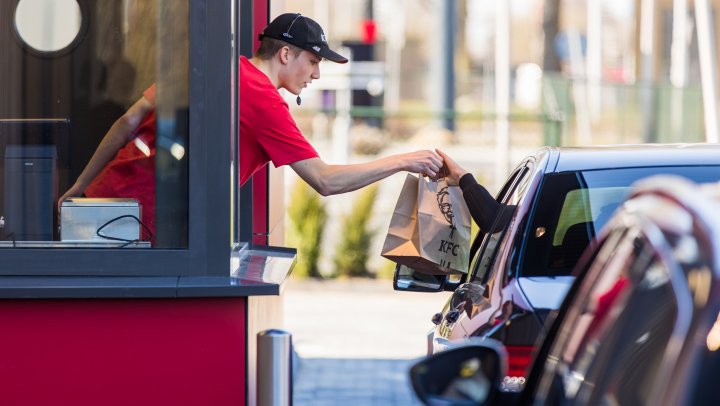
[[331, 55]]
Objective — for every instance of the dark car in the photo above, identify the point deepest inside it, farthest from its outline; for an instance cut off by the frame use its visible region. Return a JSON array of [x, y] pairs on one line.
[[556, 200], [639, 326]]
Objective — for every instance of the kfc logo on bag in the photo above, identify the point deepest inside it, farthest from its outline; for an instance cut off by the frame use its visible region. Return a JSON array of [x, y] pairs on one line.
[[447, 246], [443, 199], [445, 206]]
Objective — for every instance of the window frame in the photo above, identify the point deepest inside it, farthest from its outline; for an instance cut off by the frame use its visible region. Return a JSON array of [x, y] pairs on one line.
[[209, 162], [521, 176]]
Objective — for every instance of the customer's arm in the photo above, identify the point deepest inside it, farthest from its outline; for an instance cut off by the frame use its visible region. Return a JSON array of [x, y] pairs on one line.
[[483, 208], [329, 179]]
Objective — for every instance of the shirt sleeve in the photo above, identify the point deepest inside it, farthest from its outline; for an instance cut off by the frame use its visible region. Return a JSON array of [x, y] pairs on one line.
[[281, 139], [483, 207]]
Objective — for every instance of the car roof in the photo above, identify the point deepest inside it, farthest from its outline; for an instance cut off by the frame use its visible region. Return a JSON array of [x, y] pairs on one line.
[[628, 156]]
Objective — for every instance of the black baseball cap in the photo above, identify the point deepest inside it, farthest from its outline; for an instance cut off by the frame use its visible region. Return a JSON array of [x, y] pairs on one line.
[[303, 32]]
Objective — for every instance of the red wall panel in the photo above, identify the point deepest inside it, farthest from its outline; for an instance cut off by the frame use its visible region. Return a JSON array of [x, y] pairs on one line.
[[123, 352]]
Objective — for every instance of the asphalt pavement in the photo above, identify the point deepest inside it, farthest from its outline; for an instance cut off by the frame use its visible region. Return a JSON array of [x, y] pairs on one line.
[[355, 340]]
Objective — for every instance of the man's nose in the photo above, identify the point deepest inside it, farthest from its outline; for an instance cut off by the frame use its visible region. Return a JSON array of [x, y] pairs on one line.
[[316, 73]]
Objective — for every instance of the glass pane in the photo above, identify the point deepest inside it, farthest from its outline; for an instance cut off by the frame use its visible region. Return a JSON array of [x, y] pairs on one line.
[[589, 199], [94, 124], [509, 197]]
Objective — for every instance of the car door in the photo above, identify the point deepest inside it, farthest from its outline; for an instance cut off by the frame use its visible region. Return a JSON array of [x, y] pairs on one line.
[[609, 347], [471, 304]]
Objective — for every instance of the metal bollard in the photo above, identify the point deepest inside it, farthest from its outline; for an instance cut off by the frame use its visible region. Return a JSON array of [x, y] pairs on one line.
[[274, 368]]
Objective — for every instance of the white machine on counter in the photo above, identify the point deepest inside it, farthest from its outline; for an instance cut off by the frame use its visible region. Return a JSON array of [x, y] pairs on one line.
[[81, 218]]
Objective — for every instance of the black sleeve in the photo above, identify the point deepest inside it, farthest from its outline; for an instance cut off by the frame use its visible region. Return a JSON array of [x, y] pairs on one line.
[[483, 207]]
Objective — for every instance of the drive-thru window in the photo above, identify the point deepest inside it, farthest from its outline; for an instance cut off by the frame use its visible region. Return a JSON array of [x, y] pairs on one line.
[[147, 289]]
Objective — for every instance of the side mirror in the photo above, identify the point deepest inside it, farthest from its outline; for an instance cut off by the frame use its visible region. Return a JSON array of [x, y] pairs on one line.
[[468, 375], [408, 279]]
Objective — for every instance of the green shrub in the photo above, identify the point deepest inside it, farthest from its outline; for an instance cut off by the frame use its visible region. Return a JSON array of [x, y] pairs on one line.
[[386, 270], [352, 253], [308, 217]]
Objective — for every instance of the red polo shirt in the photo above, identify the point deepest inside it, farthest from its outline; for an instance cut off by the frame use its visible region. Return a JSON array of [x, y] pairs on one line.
[[267, 130]]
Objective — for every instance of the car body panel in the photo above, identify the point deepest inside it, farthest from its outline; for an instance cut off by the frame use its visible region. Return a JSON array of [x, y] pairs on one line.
[[468, 325]]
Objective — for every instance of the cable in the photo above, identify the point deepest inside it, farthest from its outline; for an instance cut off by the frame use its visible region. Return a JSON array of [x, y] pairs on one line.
[[127, 242]]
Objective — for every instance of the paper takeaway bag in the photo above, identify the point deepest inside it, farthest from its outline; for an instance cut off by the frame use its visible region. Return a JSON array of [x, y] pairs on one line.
[[430, 228]]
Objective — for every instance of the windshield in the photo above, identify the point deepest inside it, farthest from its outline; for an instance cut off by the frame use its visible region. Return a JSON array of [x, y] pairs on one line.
[[573, 206]]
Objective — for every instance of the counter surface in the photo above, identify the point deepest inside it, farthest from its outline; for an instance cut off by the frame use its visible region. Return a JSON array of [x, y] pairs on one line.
[[253, 272]]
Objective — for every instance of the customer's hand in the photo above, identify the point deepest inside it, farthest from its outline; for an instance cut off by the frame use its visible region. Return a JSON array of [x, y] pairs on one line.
[[451, 170]]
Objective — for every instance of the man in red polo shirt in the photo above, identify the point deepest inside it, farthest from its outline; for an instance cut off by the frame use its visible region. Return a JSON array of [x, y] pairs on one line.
[[289, 57]]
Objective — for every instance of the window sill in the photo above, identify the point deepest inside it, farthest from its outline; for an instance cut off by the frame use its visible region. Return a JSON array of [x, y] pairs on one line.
[[254, 272]]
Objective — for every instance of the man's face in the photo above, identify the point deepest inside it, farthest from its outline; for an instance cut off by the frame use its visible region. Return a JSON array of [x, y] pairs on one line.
[[300, 70]]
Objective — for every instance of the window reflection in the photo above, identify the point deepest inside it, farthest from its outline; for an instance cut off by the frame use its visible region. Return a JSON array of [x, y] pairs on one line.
[[615, 333], [87, 104], [48, 25]]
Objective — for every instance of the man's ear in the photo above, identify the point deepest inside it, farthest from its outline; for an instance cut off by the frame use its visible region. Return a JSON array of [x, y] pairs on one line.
[[284, 54]]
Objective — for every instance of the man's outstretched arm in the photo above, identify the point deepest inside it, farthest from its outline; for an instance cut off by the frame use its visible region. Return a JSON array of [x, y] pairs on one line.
[[334, 179]]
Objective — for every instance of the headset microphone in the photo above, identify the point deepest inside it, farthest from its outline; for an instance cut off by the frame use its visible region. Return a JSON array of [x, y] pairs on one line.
[[298, 100]]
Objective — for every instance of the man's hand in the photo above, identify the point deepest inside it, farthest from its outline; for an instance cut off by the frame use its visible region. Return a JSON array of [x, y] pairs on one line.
[[451, 170], [426, 162]]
